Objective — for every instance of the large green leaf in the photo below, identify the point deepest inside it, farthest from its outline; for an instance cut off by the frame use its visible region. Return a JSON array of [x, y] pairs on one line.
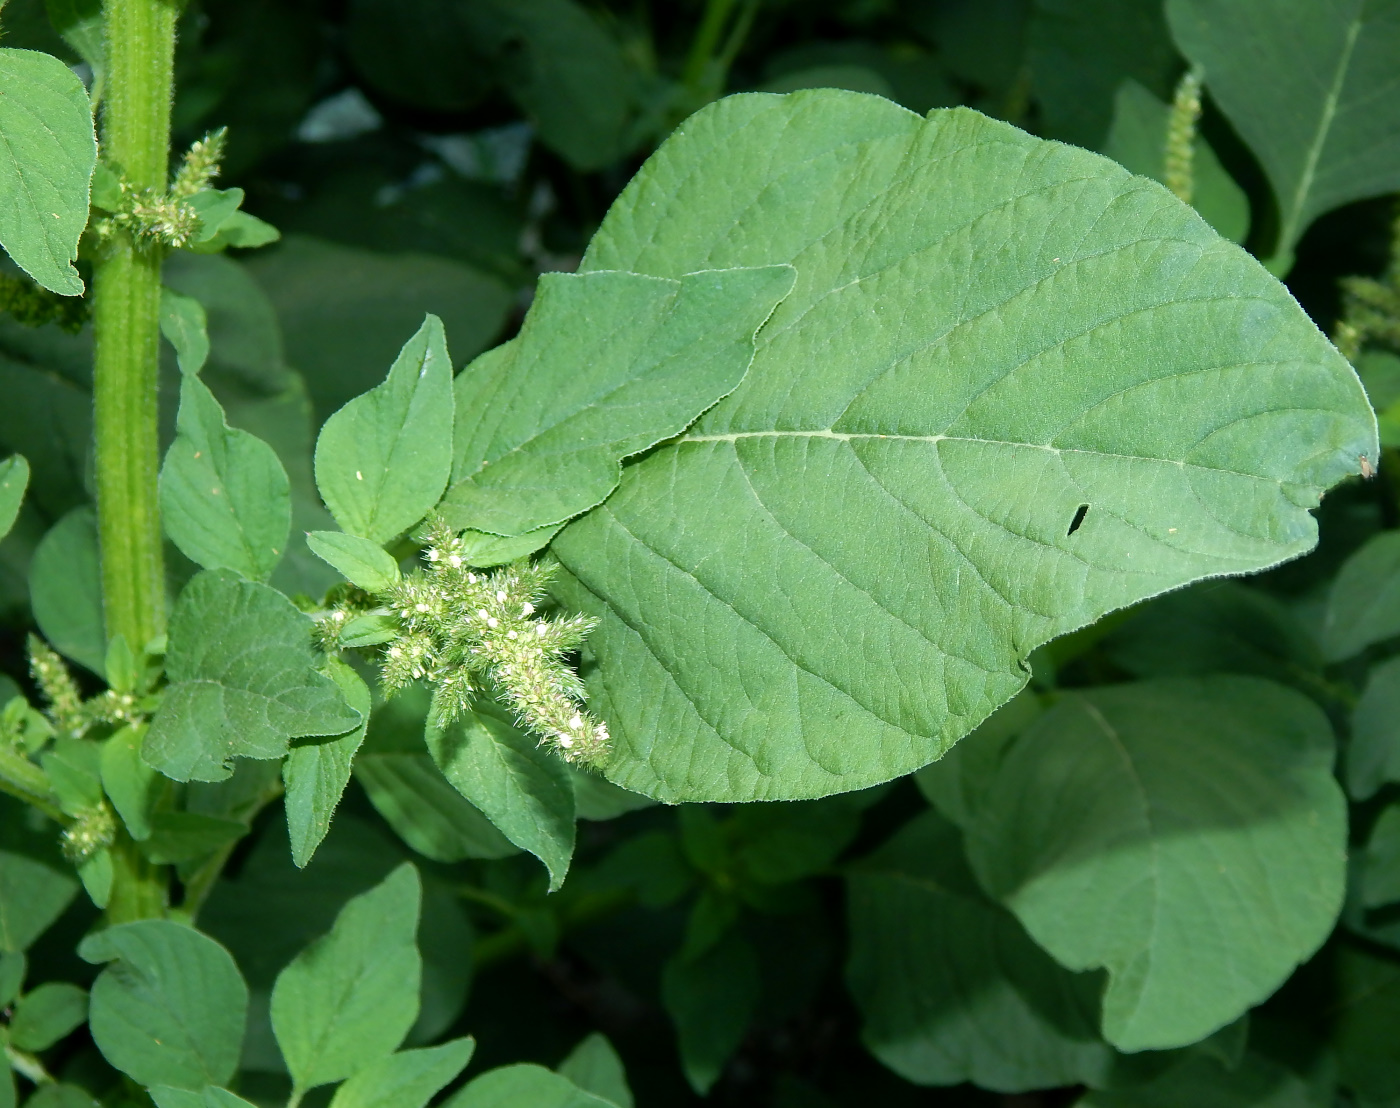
[[350, 997], [243, 681], [383, 460], [1311, 87], [1186, 835], [225, 499], [520, 787], [950, 986], [606, 365], [1014, 388], [170, 1008], [1363, 607], [46, 162], [32, 896]]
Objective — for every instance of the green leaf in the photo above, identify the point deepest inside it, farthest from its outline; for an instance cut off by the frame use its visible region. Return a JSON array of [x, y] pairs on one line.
[[32, 896], [215, 207], [65, 590], [1365, 1011], [189, 836], [1373, 758], [410, 792], [12, 968], [1204, 1082], [711, 999], [594, 1067], [224, 497], [243, 681], [522, 789], [524, 1086], [242, 230], [606, 366], [186, 328], [408, 1079], [599, 799], [349, 998], [210, 1097], [317, 770], [81, 25], [1186, 835], [957, 783], [1137, 141], [950, 986], [61, 1096], [989, 333], [98, 874], [1380, 883], [14, 479], [370, 629], [383, 460], [170, 1008], [1363, 607], [361, 562], [47, 1014], [1080, 51], [133, 787], [1310, 88], [45, 164]]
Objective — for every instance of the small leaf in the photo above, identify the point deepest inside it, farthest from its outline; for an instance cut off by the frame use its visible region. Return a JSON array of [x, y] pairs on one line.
[[132, 785], [171, 1007], [349, 998], [97, 873], [240, 230], [1309, 88], [317, 770], [950, 986], [61, 1096], [595, 1068], [1373, 758], [522, 789], [47, 1014], [14, 479], [224, 496], [12, 969], [362, 563], [711, 1000], [65, 589], [1380, 881], [210, 1097], [32, 896], [485, 551], [243, 681], [46, 162], [81, 25], [1186, 835], [1363, 607], [369, 629], [606, 366], [383, 460], [186, 328], [524, 1086], [408, 1079], [215, 207], [188, 836]]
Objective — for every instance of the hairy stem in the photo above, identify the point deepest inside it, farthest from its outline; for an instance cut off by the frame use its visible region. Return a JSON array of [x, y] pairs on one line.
[[23, 779], [126, 323]]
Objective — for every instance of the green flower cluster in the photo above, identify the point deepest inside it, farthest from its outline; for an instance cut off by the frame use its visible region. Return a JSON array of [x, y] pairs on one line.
[[461, 627]]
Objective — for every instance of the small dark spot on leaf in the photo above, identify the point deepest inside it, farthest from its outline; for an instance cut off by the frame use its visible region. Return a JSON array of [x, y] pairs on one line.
[[1080, 513]]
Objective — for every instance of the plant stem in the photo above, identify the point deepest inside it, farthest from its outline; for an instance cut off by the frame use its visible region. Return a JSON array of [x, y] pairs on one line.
[[138, 885], [126, 323], [23, 779]]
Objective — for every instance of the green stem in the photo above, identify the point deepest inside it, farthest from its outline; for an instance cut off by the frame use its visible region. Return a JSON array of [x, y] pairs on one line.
[[23, 779], [702, 49], [126, 323], [138, 885]]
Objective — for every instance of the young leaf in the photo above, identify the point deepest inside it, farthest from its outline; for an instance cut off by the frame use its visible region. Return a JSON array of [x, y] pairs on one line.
[[1137, 141], [1310, 88], [317, 770], [224, 496], [1011, 371], [131, 785], [1363, 607], [47, 1014], [14, 479], [1186, 835], [1373, 758], [241, 230], [950, 986], [522, 789], [408, 1079], [524, 1086], [46, 162], [383, 460], [363, 563], [186, 328], [170, 1009], [594, 1067], [65, 590], [81, 25], [243, 681], [215, 207], [349, 998], [711, 1000], [32, 896], [606, 366]]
